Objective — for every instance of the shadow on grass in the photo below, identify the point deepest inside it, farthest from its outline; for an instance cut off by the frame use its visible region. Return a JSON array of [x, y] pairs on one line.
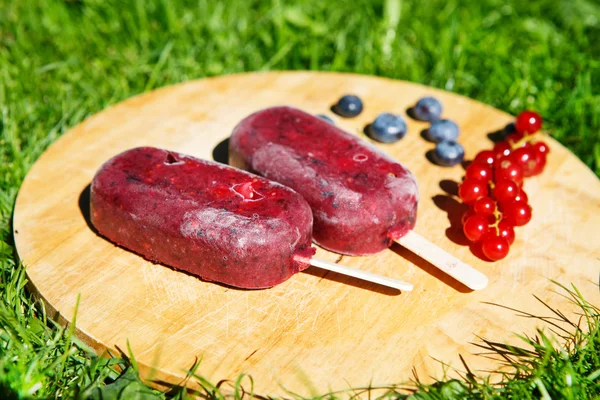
[[6, 393]]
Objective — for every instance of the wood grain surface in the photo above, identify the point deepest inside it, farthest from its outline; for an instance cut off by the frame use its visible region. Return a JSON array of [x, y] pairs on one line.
[[318, 331]]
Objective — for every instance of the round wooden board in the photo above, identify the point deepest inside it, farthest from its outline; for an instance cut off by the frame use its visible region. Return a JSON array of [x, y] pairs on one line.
[[317, 331]]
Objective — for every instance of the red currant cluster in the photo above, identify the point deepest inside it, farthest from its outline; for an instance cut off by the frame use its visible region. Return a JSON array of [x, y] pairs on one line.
[[493, 187]]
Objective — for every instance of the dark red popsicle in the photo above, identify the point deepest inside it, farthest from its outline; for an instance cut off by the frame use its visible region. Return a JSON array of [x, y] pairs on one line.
[[361, 198], [211, 220]]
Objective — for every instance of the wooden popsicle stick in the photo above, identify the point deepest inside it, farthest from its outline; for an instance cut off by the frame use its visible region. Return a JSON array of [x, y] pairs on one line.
[[446, 262], [360, 274]]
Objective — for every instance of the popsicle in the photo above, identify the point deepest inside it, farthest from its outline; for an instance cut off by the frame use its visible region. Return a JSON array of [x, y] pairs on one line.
[[362, 200], [211, 220]]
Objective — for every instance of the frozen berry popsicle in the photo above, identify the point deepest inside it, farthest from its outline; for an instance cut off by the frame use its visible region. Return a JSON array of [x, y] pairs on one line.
[[362, 200], [211, 220]]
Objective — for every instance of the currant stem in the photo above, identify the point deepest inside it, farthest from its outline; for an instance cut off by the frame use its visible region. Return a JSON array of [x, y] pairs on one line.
[[525, 139], [498, 217]]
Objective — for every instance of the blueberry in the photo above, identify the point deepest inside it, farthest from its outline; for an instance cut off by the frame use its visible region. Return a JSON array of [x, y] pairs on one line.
[[427, 109], [387, 128], [442, 129], [325, 118], [448, 153], [348, 106]]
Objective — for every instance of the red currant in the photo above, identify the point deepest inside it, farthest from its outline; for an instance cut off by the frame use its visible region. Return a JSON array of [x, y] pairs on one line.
[[516, 213], [528, 122], [471, 189], [514, 138], [508, 168], [501, 149], [469, 213], [484, 206], [505, 190], [541, 147], [480, 172], [540, 163], [526, 158], [541, 150], [522, 196], [506, 231], [476, 227], [485, 157], [494, 247]]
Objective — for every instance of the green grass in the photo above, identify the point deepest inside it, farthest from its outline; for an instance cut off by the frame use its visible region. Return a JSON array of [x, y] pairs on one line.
[[61, 61]]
